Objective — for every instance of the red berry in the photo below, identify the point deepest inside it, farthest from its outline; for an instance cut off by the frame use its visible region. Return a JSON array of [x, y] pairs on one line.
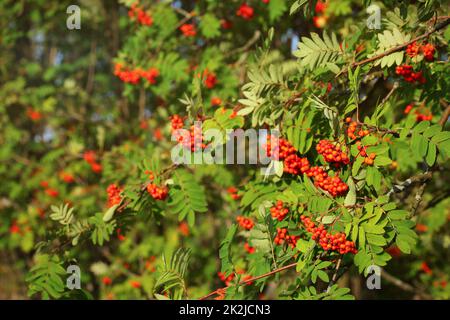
[[245, 11], [107, 281], [157, 193], [413, 49], [278, 211], [114, 196], [428, 51], [245, 222], [188, 30]]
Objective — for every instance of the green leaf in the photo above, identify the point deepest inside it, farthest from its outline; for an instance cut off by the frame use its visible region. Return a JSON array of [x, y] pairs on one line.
[[431, 154], [225, 252], [323, 276], [382, 161], [350, 199], [316, 52], [110, 213], [276, 9], [210, 26], [187, 196]]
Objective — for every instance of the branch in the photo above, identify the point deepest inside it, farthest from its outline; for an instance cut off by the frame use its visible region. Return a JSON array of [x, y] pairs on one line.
[[246, 46], [404, 286], [217, 291], [334, 278], [423, 177], [445, 116], [438, 27]]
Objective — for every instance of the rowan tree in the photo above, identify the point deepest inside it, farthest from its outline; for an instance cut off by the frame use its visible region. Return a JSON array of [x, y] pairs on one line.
[[358, 177]]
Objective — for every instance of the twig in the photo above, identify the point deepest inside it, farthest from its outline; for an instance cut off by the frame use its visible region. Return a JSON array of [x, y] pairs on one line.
[[418, 198], [246, 46], [403, 285], [333, 279], [289, 266], [438, 27], [445, 116], [423, 177]]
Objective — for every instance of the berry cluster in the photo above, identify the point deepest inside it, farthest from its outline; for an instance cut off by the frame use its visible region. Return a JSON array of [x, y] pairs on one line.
[[333, 185], [368, 158], [133, 76], [249, 248], [140, 15], [33, 114], [332, 153], [245, 11], [183, 228], [278, 211], [107, 281], [192, 139], [215, 101], [283, 236], [426, 268], [280, 150], [114, 196], [157, 192], [406, 71], [244, 276], [226, 279], [91, 158], [233, 193], [210, 79], [48, 190], [320, 19], [188, 30], [245, 222], [428, 116], [176, 122], [66, 177], [226, 24], [423, 117], [120, 236], [294, 164], [285, 152], [135, 284], [15, 228], [327, 241], [415, 49], [354, 127], [428, 51], [195, 141]]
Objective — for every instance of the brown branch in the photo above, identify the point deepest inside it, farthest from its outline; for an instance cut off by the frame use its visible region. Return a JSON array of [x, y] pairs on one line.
[[289, 266], [422, 178], [403, 285], [445, 116], [247, 45], [438, 27]]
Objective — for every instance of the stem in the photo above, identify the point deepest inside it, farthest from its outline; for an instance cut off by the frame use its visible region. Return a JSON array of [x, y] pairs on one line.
[[438, 27], [403, 285], [289, 266]]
